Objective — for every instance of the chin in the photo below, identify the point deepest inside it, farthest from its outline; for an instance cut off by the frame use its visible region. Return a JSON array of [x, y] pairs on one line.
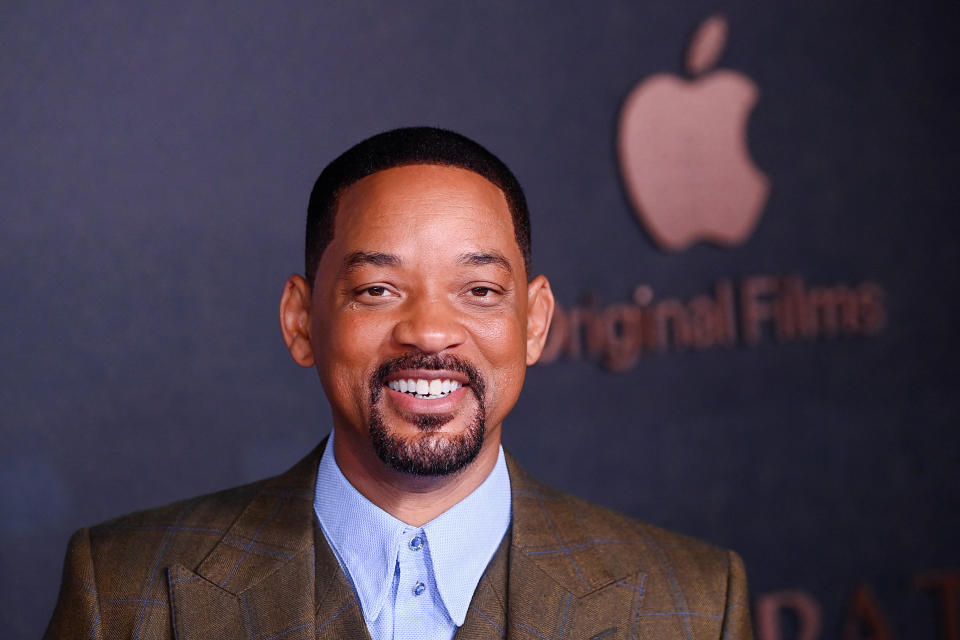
[[432, 450]]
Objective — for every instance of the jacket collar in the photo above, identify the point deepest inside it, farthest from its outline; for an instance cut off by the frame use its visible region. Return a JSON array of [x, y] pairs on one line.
[[274, 573], [274, 528], [549, 534], [259, 580]]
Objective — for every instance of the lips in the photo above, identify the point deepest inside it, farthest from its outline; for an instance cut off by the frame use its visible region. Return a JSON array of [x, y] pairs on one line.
[[420, 383]]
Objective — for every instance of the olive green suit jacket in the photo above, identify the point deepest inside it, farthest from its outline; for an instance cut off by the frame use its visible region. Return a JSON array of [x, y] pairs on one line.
[[250, 563]]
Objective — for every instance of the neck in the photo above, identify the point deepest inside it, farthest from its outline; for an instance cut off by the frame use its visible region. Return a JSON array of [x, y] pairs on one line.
[[415, 500]]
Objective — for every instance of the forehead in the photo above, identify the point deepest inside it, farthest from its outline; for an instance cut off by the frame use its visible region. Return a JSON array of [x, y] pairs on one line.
[[423, 208]]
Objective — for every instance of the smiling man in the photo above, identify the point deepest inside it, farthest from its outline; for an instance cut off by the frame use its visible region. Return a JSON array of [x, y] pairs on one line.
[[420, 315]]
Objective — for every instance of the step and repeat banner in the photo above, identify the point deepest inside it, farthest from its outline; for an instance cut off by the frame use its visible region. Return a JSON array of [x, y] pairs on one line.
[[747, 212]]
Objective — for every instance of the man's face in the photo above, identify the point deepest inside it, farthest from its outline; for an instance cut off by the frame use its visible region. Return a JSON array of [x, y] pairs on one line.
[[419, 317]]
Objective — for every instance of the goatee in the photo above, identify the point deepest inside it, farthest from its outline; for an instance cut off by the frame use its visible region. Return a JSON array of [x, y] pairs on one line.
[[430, 453]]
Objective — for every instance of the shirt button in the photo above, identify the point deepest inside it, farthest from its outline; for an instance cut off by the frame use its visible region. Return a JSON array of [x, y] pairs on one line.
[[416, 543], [419, 588]]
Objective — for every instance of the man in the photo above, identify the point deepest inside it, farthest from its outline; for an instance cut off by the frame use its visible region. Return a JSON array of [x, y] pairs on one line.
[[420, 316]]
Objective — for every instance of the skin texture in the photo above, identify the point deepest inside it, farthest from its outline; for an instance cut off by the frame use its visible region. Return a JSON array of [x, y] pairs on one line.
[[423, 263]]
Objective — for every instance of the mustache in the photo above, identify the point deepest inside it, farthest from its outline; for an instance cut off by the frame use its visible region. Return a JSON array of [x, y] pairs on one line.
[[433, 362]]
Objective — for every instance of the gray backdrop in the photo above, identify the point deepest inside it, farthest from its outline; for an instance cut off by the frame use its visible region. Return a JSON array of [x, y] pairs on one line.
[[155, 170]]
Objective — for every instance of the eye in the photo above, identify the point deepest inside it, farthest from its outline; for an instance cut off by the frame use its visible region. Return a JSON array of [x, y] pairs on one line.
[[484, 296], [374, 294]]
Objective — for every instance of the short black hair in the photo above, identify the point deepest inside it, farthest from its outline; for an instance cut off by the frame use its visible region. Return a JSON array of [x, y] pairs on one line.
[[400, 147]]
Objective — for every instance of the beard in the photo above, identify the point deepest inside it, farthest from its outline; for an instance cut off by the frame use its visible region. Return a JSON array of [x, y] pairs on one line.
[[430, 453]]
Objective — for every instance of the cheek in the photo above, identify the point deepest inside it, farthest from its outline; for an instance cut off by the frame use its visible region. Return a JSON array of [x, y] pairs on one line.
[[347, 352], [502, 345], [500, 334], [348, 340]]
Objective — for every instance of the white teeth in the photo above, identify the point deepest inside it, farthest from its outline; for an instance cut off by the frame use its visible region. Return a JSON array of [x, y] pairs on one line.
[[421, 388]]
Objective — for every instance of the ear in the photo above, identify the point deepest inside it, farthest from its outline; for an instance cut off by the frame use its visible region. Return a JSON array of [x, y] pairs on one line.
[[295, 319], [540, 305]]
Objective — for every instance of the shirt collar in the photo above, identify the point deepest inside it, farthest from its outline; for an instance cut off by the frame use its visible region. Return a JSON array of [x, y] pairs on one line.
[[362, 535], [462, 540]]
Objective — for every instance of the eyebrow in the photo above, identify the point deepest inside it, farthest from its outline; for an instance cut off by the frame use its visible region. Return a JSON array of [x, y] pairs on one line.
[[359, 259], [482, 258]]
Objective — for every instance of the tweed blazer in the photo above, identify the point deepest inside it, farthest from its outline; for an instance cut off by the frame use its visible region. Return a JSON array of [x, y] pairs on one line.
[[251, 563]]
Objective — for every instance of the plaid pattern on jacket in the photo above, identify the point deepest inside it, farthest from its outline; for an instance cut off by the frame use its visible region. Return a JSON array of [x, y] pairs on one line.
[[250, 563]]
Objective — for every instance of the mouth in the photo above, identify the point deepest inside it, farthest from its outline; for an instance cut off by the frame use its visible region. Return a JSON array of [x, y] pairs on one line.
[[426, 391], [425, 388], [427, 385]]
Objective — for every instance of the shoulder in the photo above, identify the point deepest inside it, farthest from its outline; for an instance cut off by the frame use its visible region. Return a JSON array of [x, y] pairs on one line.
[[656, 550], [182, 532], [598, 546], [185, 532], [699, 587], [119, 575], [113, 571]]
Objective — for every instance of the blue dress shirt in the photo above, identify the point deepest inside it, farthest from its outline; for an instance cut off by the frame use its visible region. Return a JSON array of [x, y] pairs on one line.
[[412, 582]]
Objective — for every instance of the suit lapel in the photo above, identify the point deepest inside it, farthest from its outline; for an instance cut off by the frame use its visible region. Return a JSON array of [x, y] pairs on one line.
[[557, 581], [258, 581], [273, 574], [487, 615], [338, 613]]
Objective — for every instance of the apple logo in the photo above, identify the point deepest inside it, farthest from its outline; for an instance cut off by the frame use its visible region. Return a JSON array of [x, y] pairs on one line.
[[683, 150]]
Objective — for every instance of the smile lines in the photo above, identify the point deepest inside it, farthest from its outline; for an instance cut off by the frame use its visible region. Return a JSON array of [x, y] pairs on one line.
[[428, 389]]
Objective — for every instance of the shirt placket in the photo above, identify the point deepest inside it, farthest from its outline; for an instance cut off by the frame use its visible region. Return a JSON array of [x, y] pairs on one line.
[[415, 587]]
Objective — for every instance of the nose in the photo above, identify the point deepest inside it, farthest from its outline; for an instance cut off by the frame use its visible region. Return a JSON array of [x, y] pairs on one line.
[[429, 325]]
